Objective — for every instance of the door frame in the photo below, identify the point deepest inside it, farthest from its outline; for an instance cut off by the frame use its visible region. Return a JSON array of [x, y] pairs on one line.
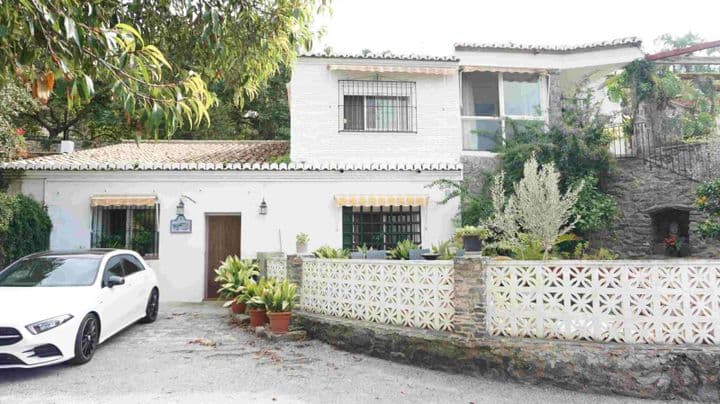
[[207, 242]]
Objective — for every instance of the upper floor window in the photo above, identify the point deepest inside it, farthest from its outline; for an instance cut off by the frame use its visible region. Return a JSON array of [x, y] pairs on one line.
[[496, 104], [377, 106]]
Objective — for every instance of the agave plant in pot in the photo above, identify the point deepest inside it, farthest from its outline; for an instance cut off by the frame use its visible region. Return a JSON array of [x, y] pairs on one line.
[[279, 301], [472, 237], [254, 296], [232, 275], [301, 243]]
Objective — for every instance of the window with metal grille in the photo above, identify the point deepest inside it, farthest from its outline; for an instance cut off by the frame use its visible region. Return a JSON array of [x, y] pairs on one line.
[[133, 228], [380, 227], [377, 106]]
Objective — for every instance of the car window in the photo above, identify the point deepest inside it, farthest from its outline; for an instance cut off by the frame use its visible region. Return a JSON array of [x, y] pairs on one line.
[[51, 271], [132, 265], [113, 267]]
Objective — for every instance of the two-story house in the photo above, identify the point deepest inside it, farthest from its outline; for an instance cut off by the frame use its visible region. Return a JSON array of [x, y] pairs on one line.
[[369, 137]]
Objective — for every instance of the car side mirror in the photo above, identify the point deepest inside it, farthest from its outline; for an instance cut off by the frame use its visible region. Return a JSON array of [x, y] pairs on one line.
[[115, 280]]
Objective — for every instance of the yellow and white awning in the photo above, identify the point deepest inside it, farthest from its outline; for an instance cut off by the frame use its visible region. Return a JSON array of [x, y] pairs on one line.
[[438, 71], [499, 69], [381, 200], [122, 200]]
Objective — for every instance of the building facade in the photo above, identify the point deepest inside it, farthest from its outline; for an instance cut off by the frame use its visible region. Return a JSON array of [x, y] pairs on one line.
[[370, 136]]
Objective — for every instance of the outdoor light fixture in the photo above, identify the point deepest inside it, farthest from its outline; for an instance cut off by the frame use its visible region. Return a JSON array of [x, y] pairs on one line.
[[180, 209], [263, 207]]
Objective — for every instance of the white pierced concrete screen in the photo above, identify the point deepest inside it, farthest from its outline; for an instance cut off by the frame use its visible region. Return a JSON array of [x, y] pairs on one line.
[[654, 302], [405, 293], [277, 268]]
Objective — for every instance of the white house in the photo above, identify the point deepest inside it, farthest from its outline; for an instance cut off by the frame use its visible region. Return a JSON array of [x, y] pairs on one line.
[[369, 136]]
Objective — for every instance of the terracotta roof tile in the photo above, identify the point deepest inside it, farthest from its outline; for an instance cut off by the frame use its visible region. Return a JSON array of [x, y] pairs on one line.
[[172, 151]]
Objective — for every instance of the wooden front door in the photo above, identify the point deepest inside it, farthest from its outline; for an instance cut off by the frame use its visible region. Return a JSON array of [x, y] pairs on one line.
[[223, 239]]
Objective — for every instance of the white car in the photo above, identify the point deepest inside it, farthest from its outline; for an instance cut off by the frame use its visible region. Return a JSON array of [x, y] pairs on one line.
[[58, 306]]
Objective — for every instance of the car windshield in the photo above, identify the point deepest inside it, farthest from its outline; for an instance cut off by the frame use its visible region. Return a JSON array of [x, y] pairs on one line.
[[51, 271]]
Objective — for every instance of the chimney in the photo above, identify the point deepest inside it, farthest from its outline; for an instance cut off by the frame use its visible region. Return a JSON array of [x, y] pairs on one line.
[[67, 146]]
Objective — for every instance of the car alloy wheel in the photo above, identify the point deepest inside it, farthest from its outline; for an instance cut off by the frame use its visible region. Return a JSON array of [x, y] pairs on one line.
[[153, 304], [86, 340]]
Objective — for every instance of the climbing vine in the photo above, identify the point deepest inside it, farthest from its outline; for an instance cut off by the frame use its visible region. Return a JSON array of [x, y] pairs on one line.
[[658, 86], [708, 201]]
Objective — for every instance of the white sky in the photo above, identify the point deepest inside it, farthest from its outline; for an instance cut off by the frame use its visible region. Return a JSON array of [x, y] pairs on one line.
[[431, 27]]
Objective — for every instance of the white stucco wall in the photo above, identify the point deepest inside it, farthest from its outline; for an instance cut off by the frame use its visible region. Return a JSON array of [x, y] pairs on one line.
[[314, 116], [297, 202]]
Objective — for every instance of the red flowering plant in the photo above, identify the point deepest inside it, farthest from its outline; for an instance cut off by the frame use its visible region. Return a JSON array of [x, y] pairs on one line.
[[674, 243]]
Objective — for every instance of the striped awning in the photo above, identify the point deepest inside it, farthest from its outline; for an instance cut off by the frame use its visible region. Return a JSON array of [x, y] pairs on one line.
[[438, 71], [123, 200], [381, 200]]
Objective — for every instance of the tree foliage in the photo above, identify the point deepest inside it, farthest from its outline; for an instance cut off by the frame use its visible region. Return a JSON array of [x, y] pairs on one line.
[[15, 101], [153, 57]]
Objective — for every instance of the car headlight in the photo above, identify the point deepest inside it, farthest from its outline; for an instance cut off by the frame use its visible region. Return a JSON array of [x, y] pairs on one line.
[[49, 324]]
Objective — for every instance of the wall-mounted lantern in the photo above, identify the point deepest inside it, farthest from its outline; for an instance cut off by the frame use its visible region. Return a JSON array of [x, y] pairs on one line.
[[180, 209], [263, 207]]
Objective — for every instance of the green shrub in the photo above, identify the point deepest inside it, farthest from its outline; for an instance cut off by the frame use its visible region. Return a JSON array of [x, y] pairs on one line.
[[24, 227], [402, 250], [708, 201], [331, 253]]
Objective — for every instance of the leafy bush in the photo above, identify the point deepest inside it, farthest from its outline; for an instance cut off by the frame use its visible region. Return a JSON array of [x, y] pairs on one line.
[[402, 250], [24, 227], [253, 293], [580, 153], [331, 253], [708, 201], [444, 250]]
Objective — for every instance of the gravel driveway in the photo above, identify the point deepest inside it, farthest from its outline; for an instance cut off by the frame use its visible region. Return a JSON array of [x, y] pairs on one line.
[[192, 354]]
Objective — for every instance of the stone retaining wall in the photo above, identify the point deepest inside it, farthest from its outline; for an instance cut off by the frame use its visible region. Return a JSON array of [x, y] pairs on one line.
[[648, 371]]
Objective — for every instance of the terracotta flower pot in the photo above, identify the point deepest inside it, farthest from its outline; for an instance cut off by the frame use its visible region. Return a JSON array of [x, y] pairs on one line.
[[238, 308], [257, 317], [279, 322]]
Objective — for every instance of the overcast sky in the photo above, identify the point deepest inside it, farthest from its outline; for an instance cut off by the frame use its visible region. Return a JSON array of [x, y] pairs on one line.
[[431, 27]]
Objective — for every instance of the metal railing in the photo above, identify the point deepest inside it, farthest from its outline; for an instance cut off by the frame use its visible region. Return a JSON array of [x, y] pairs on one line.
[[665, 147]]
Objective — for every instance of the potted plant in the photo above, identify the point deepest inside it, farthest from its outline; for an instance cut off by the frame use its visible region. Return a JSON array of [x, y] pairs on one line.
[[402, 250], [279, 301], [301, 243], [472, 237], [232, 276], [676, 246], [254, 296]]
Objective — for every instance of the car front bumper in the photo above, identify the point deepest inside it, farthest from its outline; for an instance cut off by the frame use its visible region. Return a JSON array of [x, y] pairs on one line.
[[47, 348]]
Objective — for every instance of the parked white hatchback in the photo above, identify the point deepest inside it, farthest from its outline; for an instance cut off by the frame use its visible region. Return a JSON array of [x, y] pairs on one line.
[[58, 306]]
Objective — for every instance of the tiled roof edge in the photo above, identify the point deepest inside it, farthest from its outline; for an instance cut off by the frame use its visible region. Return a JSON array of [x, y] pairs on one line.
[[630, 41], [44, 166]]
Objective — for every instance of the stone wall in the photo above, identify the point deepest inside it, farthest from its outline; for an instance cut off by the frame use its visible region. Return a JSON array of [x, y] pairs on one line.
[[648, 371], [640, 190]]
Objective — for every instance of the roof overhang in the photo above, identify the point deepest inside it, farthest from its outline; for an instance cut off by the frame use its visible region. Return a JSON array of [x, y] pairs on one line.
[[439, 71]]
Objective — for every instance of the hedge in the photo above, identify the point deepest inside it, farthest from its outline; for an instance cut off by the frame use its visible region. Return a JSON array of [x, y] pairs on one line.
[[24, 227]]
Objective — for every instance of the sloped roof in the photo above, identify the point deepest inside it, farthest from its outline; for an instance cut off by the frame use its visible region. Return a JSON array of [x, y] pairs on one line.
[[382, 56], [179, 155], [615, 43]]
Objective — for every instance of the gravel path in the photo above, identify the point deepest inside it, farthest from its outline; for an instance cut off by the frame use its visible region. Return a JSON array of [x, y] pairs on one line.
[[159, 363]]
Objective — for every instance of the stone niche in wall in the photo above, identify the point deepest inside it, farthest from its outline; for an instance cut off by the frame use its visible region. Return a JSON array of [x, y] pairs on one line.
[[667, 222]]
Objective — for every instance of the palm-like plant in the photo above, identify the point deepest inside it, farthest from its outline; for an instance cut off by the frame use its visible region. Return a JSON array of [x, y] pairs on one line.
[[402, 250], [233, 275], [280, 297]]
